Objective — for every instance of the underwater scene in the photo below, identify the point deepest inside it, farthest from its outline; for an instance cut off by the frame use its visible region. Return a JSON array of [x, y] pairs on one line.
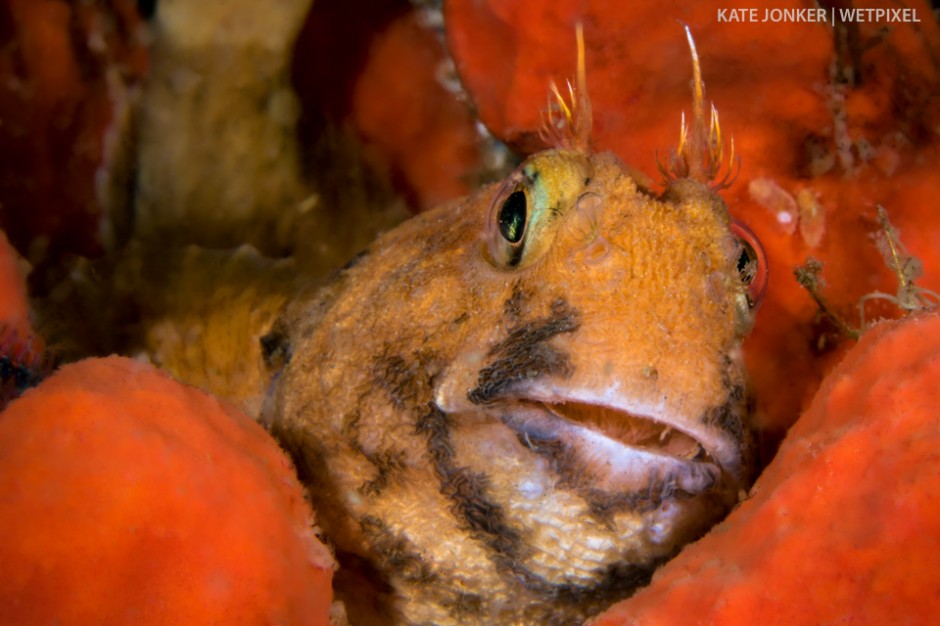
[[469, 312]]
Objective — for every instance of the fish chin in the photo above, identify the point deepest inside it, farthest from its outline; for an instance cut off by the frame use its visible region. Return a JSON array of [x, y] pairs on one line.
[[598, 487]]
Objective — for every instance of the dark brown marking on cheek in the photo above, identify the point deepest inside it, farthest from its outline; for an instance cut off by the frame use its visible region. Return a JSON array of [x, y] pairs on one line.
[[397, 553], [526, 355], [435, 426], [397, 377], [487, 519], [467, 490], [388, 464], [406, 382]]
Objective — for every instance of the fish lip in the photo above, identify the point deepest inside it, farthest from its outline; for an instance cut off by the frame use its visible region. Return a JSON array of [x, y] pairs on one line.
[[614, 465], [719, 447]]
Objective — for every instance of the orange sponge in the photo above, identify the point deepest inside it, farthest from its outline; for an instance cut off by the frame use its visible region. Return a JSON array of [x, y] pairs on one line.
[[128, 498]]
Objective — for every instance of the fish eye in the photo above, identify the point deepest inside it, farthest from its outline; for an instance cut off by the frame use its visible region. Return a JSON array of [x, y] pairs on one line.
[[509, 223], [751, 263], [527, 208], [512, 217]]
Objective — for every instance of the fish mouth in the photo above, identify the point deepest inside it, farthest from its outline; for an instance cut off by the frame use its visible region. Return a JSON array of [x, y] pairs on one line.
[[618, 442], [637, 432], [623, 448]]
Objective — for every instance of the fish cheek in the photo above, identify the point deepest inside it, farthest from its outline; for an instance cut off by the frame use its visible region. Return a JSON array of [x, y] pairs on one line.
[[526, 354]]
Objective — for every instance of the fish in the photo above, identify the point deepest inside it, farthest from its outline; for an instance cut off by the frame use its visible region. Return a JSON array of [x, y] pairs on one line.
[[512, 408]]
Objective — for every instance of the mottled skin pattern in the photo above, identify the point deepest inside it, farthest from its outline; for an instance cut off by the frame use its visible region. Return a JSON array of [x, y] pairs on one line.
[[443, 396]]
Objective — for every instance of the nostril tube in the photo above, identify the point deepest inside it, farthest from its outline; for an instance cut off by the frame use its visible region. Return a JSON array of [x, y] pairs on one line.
[[590, 204]]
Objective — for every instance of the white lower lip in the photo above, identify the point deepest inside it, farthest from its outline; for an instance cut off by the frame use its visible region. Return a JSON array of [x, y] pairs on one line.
[[624, 462], [613, 466]]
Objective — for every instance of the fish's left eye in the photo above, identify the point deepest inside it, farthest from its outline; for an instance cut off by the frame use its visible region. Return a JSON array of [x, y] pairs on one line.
[[751, 263]]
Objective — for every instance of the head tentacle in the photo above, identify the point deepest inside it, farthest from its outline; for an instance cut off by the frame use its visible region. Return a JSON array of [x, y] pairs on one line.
[[699, 154], [566, 123]]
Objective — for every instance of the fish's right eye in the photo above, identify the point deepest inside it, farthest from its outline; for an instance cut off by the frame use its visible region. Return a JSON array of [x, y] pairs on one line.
[[527, 208], [509, 225], [512, 217]]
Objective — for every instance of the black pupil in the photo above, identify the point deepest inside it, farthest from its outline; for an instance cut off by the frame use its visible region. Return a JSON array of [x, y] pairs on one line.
[[512, 217]]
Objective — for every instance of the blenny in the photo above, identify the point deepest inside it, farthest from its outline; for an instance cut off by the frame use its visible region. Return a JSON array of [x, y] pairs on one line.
[[510, 409]]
